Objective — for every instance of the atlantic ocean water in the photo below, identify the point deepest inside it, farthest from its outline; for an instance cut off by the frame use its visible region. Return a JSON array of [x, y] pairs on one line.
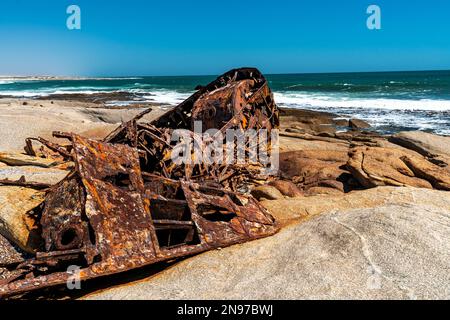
[[389, 101]]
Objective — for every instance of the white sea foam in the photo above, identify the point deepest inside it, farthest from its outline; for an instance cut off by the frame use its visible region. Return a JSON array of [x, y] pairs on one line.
[[63, 90], [166, 97], [302, 100], [26, 94]]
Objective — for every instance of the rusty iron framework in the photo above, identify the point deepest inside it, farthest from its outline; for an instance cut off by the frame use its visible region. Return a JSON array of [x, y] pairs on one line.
[[125, 205]]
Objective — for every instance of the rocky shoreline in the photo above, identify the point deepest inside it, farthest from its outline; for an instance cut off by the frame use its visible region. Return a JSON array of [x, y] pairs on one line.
[[349, 199]]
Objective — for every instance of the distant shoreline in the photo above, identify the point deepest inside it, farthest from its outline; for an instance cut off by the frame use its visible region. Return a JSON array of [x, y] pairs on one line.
[[43, 77], [58, 78]]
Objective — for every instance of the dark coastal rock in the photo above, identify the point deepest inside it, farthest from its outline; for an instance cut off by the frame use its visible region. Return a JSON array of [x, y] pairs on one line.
[[287, 188], [306, 121], [312, 128], [295, 130], [98, 97], [358, 124], [341, 122], [315, 122]]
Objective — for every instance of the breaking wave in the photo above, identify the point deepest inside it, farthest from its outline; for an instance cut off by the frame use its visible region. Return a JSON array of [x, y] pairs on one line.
[[302, 100]]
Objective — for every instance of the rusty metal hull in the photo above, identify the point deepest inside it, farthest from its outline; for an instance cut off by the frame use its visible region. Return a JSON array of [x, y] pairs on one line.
[[125, 205]]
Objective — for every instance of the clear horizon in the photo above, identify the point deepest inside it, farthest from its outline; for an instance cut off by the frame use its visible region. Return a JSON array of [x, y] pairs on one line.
[[178, 38], [212, 75]]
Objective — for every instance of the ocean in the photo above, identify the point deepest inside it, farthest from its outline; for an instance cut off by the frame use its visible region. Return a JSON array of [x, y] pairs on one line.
[[389, 101]]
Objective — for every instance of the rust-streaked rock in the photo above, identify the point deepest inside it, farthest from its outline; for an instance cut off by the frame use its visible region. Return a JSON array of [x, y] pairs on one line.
[[17, 223]]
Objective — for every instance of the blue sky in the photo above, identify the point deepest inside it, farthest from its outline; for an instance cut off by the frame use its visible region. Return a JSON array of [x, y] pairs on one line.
[[138, 37]]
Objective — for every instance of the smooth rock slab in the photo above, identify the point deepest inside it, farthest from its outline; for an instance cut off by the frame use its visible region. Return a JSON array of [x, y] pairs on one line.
[[316, 168], [33, 174], [427, 144], [18, 159], [358, 124], [267, 192], [291, 210], [395, 251], [15, 223], [375, 166], [287, 188]]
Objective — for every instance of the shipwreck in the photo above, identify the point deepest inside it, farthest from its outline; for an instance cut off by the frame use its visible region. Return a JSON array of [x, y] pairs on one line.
[[126, 205]]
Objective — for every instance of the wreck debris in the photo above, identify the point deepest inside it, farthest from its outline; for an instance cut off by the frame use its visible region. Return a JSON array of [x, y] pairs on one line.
[[127, 205], [56, 148]]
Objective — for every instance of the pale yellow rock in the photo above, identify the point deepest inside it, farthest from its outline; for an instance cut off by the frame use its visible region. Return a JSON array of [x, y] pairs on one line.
[[18, 159], [384, 243], [15, 224], [374, 166], [267, 192], [33, 174], [425, 143], [296, 208]]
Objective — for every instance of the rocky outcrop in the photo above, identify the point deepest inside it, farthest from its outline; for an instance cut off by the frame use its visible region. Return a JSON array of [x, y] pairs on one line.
[[305, 121], [288, 210], [345, 161], [377, 244], [335, 241], [437, 176], [358, 124], [310, 169], [300, 121], [266, 192], [287, 188], [17, 221], [373, 166], [427, 144]]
